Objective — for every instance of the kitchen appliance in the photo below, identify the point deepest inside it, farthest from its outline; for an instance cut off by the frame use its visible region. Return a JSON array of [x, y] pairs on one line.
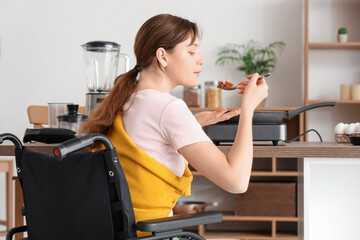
[[101, 65], [267, 125], [72, 119]]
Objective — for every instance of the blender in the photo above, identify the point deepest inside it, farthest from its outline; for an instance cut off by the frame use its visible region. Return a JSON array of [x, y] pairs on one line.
[[101, 67]]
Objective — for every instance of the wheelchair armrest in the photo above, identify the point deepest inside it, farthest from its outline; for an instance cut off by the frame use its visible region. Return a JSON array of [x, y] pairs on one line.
[[179, 222], [78, 143]]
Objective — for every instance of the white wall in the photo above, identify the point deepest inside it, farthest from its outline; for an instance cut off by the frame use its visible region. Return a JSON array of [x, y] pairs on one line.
[[41, 58]]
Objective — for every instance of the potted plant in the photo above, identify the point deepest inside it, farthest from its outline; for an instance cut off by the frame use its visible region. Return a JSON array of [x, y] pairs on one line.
[[251, 57], [342, 35]]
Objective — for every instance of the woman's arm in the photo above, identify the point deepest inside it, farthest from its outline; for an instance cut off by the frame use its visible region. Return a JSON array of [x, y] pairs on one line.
[[231, 172]]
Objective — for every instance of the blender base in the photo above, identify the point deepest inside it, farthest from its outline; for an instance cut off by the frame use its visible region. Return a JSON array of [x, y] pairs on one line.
[[93, 99]]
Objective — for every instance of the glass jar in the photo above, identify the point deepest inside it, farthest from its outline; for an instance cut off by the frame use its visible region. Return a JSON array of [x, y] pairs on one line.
[[212, 95], [192, 96]]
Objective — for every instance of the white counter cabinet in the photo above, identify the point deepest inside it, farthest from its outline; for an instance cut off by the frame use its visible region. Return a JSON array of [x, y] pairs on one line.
[[331, 198]]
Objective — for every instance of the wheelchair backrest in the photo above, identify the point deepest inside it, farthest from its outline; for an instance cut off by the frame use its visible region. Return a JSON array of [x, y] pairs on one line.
[[83, 196]]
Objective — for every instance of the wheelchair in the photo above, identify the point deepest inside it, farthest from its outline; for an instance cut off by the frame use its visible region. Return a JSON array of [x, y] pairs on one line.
[[85, 195]]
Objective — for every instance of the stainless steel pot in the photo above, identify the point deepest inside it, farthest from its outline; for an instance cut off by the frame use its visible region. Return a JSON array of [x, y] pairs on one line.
[[72, 119], [189, 207]]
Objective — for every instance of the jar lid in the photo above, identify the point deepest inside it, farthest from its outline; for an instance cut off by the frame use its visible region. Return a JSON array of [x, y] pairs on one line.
[[101, 46], [192, 88]]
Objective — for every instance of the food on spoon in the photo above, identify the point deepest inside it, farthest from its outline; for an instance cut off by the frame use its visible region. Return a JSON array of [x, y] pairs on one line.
[[229, 84], [225, 84]]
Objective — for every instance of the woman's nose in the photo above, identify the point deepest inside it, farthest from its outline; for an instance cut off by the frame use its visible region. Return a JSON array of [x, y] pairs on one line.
[[201, 60]]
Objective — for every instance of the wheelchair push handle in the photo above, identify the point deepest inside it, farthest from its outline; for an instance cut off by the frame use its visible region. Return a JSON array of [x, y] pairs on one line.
[[12, 138], [78, 143]]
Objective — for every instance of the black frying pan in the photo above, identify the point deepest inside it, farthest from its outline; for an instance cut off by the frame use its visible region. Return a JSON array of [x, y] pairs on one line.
[[278, 116], [275, 117]]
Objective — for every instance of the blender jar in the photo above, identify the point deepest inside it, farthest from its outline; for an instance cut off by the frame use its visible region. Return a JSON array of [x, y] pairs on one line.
[[101, 63]]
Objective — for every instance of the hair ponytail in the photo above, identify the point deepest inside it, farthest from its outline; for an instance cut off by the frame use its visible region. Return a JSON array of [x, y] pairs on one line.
[[101, 119]]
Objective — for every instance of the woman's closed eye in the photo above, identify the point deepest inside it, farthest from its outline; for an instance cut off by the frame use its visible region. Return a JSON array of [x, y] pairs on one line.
[[192, 53]]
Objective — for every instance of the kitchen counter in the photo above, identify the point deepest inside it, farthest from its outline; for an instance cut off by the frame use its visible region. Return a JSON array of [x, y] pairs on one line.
[[7, 148], [303, 150], [261, 149], [327, 186], [327, 172]]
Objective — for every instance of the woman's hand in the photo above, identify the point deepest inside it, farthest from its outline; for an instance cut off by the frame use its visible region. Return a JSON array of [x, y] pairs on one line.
[[254, 91], [206, 118]]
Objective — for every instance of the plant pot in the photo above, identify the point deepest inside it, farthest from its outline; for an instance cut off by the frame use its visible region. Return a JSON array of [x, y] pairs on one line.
[[342, 37]]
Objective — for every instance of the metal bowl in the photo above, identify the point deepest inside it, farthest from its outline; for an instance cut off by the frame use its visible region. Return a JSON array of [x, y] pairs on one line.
[[355, 139], [189, 207]]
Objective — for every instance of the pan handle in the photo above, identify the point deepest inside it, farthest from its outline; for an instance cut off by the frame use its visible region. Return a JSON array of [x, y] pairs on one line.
[[296, 112]]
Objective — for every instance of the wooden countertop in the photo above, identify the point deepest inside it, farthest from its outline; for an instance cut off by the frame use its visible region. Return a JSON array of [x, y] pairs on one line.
[[7, 149], [261, 149], [303, 150]]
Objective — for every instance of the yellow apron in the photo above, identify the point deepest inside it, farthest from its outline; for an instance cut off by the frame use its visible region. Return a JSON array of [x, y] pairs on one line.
[[154, 189]]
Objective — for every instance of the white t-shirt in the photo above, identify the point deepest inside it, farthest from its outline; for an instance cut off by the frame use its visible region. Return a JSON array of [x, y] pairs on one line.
[[160, 124]]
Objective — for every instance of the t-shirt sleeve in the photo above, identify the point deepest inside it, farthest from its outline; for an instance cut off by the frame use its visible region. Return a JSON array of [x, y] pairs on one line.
[[179, 125]]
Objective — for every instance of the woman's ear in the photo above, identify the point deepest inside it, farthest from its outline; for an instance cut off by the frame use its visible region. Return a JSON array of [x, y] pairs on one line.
[[161, 57]]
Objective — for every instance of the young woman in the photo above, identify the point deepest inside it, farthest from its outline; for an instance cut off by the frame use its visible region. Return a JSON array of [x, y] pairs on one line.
[[155, 133]]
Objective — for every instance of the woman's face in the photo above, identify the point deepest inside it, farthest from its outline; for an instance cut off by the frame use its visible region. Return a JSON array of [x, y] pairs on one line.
[[184, 63]]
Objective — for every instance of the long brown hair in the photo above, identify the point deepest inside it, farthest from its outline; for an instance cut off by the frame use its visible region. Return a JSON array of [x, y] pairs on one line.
[[163, 30]]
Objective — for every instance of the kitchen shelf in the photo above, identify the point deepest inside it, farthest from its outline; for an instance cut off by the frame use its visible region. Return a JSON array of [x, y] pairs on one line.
[[263, 174], [334, 45], [270, 167], [249, 235], [228, 216], [264, 169], [339, 12], [271, 231], [337, 101]]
